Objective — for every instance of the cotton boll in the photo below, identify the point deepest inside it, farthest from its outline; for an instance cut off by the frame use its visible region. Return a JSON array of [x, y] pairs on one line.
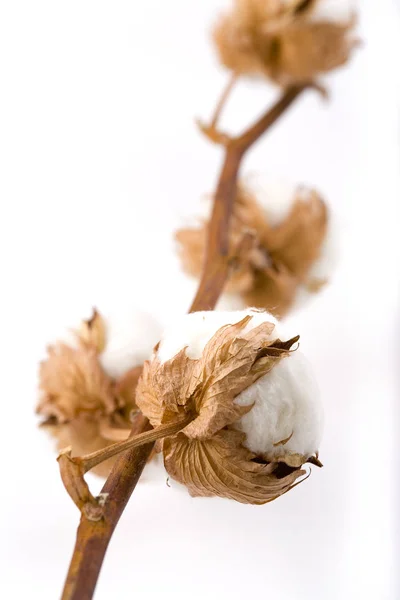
[[277, 198], [131, 335], [286, 400]]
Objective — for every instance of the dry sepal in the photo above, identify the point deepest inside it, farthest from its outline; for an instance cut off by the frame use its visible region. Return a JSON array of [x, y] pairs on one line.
[[270, 273], [209, 455], [81, 403], [284, 41]]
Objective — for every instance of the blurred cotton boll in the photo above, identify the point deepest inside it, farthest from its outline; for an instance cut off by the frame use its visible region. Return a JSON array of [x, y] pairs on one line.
[[294, 249], [277, 197]]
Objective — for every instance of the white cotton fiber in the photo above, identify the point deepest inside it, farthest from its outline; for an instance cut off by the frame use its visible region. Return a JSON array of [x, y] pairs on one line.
[[277, 198], [287, 403], [131, 335], [286, 400], [338, 11]]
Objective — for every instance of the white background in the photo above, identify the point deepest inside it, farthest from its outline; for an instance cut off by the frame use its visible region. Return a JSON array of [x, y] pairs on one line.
[[100, 161]]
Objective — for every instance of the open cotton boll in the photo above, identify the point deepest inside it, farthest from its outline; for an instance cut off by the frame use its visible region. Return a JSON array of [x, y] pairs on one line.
[[277, 198], [294, 250], [131, 335], [88, 380], [286, 400]]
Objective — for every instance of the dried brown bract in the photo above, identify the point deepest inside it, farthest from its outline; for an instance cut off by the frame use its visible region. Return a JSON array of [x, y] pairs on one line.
[[269, 273], [281, 40], [208, 456], [81, 404]]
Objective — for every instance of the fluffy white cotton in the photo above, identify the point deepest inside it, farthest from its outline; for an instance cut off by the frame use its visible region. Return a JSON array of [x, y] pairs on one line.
[[287, 403], [286, 400], [277, 197], [194, 330], [338, 11], [131, 335]]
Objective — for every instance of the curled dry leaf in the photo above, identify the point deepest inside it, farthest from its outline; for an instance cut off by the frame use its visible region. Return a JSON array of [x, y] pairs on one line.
[[269, 272], [72, 381], [221, 466], [207, 455], [281, 41], [82, 406], [297, 241]]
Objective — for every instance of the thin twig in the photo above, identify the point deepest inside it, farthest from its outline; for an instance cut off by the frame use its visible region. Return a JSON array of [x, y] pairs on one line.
[[93, 459], [222, 101], [93, 537]]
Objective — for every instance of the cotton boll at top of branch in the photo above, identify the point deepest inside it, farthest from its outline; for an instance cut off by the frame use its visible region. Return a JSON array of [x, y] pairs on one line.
[[289, 43]]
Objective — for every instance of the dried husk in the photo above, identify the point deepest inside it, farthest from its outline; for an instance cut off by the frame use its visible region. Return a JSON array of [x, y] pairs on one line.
[[72, 381], [269, 273], [81, 405], [208, 456], [278, 40], [86, 434], [221, 466], [92, 332]]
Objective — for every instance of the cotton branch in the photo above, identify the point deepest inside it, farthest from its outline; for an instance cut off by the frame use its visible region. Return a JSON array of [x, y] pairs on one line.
[[93, 537], [217, 264]]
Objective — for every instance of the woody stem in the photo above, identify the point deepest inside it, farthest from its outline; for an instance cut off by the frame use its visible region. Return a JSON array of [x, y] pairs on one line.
[[216, 264]]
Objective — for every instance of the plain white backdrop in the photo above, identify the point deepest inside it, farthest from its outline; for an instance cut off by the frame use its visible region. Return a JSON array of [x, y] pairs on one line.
[[100, 161]]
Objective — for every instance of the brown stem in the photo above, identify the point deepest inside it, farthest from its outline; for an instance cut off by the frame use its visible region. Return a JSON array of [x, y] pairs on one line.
[[216, 263], [93, 536], [222, 101]]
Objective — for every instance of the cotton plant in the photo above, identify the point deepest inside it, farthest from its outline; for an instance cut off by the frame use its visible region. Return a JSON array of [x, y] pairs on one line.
[[225, 397]]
